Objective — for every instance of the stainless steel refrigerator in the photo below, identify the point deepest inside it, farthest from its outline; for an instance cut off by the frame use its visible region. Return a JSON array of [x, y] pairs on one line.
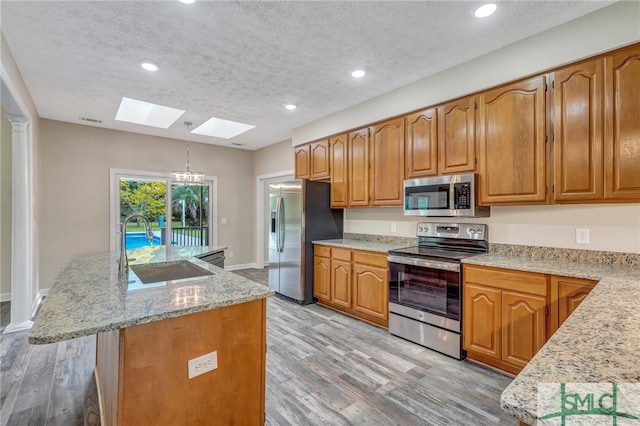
[[300, 213]]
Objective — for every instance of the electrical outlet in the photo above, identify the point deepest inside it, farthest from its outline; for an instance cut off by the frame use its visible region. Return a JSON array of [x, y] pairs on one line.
[[394, 227], [230, 254], [582, 236], [223, 221], [202, 364]]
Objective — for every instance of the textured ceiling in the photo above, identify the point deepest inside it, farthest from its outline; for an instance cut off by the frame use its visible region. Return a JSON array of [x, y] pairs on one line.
[[244, 60]]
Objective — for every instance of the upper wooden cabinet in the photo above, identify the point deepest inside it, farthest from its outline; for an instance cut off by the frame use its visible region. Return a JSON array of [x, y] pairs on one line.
[[339, 167], [358, 169], [387, 163], [578, 102], [319, 152], [622, 118], [511, 130], [302, 161], [457, 136], [421, 144]]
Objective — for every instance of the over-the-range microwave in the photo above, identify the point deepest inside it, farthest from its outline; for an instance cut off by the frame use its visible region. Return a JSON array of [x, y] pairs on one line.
[[444, 196]]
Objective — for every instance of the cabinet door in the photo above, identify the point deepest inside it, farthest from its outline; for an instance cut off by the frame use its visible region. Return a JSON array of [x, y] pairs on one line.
[[319, 160], [578, 101], [387, 163], [371, 292], [421, 144], [512, 144], [341, 283], [358, 188], [302, 161], [523, 327], [482, 320], [570, 293], [338, 150], [622, 137], [322, 278], [457, 136]]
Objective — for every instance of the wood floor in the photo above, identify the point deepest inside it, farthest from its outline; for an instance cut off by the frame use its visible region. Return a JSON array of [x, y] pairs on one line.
[[323, 368]]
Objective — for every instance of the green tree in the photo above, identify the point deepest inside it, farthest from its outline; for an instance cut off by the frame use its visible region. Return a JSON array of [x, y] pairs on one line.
[[144, 197], [193, 204]]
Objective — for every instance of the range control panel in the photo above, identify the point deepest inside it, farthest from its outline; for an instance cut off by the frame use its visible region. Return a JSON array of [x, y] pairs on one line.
[[467, 231]]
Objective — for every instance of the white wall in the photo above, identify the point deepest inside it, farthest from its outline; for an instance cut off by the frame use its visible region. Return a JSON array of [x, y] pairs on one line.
[[612, 227]]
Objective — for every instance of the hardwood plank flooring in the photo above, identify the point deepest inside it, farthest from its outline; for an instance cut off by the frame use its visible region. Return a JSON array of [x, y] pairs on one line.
[[323, 368]]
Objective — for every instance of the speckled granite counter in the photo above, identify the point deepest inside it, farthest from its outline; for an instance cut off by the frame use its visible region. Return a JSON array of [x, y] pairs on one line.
[[377, 243], [87, 296], [599, 342]]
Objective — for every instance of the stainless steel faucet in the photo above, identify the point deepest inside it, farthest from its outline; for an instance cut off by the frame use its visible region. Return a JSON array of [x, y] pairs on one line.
[[123, 263]]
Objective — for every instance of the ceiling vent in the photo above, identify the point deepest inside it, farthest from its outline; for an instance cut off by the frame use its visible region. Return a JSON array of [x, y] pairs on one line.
[[91, 120], [237, 144]]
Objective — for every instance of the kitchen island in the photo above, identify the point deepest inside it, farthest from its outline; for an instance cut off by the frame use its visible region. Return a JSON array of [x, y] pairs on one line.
[[599, 341], [147, 333]]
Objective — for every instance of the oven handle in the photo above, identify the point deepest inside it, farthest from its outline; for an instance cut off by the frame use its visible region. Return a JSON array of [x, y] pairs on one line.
[[434, 264]]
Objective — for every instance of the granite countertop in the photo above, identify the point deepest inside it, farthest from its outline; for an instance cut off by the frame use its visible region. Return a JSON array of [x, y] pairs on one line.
[[87, 296], [376, 243], [599, 341]]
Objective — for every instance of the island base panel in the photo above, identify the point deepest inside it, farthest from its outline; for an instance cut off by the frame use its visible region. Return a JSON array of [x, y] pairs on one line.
[[152, 376]]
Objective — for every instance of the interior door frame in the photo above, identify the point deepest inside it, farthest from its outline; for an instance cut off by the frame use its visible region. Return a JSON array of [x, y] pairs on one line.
[[261, 200], [114, 202]]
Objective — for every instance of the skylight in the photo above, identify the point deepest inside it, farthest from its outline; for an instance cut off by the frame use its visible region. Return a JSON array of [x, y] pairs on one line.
[[219, 128], [147, 114]]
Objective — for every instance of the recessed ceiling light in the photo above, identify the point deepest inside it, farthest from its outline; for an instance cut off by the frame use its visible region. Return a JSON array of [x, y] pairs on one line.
[[358, 73], [485, 10], [149, 66], [220, 128], [147, 114], [290, 107], [187, 1]]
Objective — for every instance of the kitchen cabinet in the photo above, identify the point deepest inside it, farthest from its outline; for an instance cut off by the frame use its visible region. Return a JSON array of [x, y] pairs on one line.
[[565, 296], [505, 316], [457, 136], [358, 168], [387, 163], [421, 144], [622, 125], [511, 131], [322, 273], [339, 167], [302, 161], [578, 102], [358, 283], [371, 285], [319, 162]]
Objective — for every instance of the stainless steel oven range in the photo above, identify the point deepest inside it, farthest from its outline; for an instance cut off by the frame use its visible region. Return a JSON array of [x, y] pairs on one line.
[[425, 285]]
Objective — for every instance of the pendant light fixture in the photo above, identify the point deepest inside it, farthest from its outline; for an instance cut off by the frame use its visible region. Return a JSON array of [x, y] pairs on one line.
[[188, 178]]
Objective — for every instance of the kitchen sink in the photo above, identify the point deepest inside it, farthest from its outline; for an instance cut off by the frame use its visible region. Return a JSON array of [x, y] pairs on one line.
[[168, 271]]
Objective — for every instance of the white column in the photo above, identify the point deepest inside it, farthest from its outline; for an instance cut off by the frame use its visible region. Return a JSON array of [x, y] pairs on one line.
[[22, 226]]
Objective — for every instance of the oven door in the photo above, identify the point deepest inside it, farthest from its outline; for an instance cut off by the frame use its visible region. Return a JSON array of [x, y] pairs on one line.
[[426, 290]]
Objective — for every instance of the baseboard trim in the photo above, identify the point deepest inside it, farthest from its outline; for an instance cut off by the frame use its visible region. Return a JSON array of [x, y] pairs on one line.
[[5, 297], [241, 266]]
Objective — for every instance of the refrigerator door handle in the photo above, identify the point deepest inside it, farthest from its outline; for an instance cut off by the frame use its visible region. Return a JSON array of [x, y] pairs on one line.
[[281, 227]]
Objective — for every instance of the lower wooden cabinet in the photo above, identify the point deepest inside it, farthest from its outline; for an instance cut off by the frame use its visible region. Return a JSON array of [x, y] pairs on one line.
[[356, 283], [509, 315], [505, 316]]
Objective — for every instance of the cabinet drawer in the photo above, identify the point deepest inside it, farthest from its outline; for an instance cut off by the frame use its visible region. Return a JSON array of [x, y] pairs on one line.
[[341, 254], [507, 279], [370, 258], [323, 251]]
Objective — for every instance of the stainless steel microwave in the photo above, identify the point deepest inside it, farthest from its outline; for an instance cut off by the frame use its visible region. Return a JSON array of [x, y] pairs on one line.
[[444, 196]]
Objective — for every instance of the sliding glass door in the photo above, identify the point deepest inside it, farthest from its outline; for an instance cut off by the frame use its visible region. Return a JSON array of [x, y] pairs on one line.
[[189, 215]]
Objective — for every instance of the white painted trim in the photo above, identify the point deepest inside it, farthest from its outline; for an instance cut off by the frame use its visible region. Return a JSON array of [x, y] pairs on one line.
[[241, 266], [114, 206], [260, 260], [4, 75], [5, 297], [14, 328]]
